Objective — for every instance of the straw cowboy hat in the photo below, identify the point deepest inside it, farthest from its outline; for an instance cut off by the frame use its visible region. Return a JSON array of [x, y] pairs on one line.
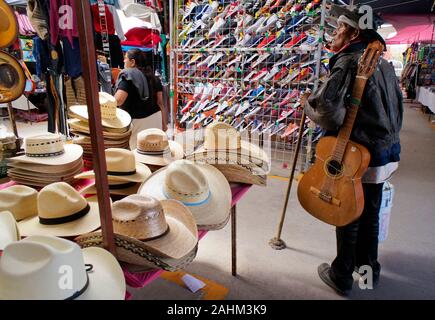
[[62, 212], [21, 201], [241, 174], [134, 258], [154, 148], [82, 127], [42, 168], [222, 141], [49, 149], [121, 167], [8, 25], [165, 228], [202, 188], [51, 268], [111, 115], [8, 229], [12, 78], [115, 188]]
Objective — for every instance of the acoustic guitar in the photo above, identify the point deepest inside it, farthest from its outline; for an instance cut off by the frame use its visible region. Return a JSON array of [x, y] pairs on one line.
[[331, 190]]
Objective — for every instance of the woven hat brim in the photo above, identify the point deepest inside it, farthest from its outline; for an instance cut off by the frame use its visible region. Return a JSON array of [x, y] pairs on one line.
[[177, 153], [210, 214], [57, 171], [142, 173], [8, 36], [106, 280], [82, 127], [91, 189], [8, 229], [248, 152], [72, 153], [135, 256], [11, 94], [41, 168], [122, 120], [239, 174], [86, 224]]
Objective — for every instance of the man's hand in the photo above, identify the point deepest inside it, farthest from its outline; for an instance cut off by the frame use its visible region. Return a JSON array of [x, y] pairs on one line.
[[304, 97]]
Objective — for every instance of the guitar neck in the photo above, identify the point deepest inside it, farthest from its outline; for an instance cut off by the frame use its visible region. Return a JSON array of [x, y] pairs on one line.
[[346, 129]]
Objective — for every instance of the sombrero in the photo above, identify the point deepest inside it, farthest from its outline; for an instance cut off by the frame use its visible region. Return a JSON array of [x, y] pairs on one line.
[[154, 148], [111, 115], [8, 229], [62, 212], [121, 167], [200, 187], [12, 78], [165, 228], [51, 268], [42, 168], [221, 140], [49, 149], [82, 127], [8, 25], [134, 258], [21, 201]]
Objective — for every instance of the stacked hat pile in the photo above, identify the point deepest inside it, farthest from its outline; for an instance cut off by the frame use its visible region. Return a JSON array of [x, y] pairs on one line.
[[155, 150], [7, 149], [124, 173], [239, 160], [116, 125], [46, 160]]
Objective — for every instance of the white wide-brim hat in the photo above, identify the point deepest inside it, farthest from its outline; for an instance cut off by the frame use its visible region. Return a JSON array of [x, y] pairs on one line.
[[8, 229], [88, 223], [176, 153], [72, 153], [122, 120], [210, 215], [141, 174], [106, 278]]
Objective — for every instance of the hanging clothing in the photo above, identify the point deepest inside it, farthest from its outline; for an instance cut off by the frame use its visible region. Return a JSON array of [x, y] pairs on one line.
[[25, 27], [116, 55], [112, 20], [38, 18], [73, 62], [114, 3], [63, 21], [144, 13]]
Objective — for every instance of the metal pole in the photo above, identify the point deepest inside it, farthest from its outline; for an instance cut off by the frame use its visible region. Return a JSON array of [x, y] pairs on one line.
[[89, 64], [234, 241]]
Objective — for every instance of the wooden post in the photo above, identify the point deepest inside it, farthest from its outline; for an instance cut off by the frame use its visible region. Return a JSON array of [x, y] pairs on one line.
[[89, 65], [233, 241], [14, 126]]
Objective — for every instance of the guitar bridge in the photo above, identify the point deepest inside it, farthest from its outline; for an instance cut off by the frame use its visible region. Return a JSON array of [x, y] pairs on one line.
[[325, 197]]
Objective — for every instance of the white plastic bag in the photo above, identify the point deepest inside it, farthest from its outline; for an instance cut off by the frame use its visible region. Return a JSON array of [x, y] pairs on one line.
[[385, 211]]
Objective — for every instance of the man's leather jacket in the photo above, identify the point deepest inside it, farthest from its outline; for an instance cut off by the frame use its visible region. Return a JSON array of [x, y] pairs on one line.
[[379, 117]]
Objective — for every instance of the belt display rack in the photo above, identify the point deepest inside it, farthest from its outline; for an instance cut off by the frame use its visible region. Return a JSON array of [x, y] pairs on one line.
[[247, 63]]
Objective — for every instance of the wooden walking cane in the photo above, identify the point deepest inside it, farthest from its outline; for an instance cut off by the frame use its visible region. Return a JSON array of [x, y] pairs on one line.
[[277, 243]]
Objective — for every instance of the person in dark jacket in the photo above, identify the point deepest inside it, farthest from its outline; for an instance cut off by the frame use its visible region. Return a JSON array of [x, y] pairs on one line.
[[140, 93], [376, 127]]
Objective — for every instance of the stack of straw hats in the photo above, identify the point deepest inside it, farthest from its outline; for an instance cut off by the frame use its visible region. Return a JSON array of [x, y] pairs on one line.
[[46, 160], [150, 234], [155, 149], [239, 160], [116, 125], [7, 149], [124, 172]]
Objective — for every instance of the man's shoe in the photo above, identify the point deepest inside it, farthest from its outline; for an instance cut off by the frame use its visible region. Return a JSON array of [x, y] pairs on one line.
[[324, 271]]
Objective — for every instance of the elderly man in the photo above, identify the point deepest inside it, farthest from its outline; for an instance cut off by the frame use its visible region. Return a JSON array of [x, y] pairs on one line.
[[377, 127]]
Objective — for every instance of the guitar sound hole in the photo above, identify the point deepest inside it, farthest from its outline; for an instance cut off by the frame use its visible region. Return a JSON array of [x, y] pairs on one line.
[[334, 168]]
